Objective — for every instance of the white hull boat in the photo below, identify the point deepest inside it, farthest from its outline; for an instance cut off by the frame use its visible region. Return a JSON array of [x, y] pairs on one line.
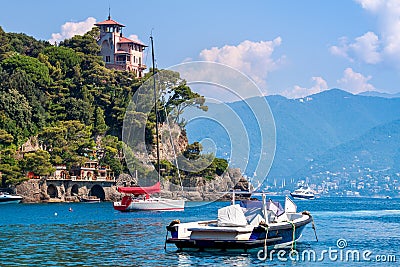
[[138, 198], [151, 204], [6, 198], [303, 193], [252, 224]]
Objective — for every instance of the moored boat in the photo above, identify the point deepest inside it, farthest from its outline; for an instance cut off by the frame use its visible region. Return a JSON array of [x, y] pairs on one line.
[[303, 193], [129, 203], [8, 198], [252, 224], [138, 198], [89, 199]]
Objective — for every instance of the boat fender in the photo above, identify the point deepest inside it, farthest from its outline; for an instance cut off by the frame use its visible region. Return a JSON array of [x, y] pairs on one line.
[[174, 222], [306, 212], [262, 223]]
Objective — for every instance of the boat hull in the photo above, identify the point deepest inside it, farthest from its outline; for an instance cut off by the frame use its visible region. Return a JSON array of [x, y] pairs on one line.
[[90, 200], [9, 199], [301, 196], [151, 205]]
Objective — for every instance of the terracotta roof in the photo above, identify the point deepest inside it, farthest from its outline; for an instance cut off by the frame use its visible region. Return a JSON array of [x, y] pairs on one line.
[[109, 22], [126, 40]]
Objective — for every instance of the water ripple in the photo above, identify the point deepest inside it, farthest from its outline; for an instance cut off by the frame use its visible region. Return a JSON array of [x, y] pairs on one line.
[[96, 235]]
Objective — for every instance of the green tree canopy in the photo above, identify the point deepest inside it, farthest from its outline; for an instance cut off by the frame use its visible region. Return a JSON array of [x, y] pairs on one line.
[[67, 141], [4, 44], [26, 45], [37, 162], [37, 70], [10, 172], [65, 58], [6, 139], [100, 126]]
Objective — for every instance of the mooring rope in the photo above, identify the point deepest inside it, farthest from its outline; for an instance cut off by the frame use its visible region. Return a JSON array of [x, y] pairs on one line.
[[313, 227], [265, 240], [293, 236]]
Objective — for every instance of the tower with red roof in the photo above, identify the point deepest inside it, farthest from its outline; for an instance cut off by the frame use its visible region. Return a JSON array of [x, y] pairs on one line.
[[119, 52]]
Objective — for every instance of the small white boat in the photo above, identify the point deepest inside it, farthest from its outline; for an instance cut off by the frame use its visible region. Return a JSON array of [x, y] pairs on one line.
[[303, 193], [129, 203], [89, 199], [139, 198], [252, 224], [8, 198]]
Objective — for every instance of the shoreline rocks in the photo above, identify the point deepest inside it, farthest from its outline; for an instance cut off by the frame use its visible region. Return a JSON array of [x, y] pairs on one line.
[[44, 191]]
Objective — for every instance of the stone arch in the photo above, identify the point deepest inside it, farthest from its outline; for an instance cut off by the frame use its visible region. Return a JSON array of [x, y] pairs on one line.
[[52, 191], [98, 191], [75, 190]]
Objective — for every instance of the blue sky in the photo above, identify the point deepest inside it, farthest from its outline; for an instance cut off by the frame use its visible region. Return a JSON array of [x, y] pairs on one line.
[[293, 48]]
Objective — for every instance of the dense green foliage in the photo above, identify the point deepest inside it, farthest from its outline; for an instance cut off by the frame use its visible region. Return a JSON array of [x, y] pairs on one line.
[[64, 98]]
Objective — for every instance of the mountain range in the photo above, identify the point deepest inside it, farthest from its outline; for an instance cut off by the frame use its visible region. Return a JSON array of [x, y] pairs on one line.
[[329, 129]]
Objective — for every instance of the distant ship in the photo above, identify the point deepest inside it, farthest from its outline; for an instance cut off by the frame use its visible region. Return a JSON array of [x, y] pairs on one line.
[[303, 193]]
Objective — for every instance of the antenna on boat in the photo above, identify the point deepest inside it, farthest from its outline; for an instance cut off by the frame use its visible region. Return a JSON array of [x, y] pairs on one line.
[[264, 205], [155, 106]]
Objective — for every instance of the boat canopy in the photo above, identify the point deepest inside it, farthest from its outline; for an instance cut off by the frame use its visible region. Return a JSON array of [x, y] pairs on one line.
[[231, 216], [253, 211], [138, 190]]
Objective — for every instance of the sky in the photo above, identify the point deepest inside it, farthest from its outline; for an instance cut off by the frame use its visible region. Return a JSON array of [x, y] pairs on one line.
[[291, 48]]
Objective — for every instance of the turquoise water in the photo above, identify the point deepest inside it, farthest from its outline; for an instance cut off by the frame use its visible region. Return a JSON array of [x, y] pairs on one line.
[[93, 234]]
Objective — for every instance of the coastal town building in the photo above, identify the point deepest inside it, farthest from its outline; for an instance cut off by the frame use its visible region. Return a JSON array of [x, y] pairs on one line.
[[88, 180], [118, 51]]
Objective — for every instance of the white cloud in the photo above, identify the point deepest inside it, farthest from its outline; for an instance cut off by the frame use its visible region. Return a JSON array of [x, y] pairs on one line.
[[70, 29], [298, 91], [134, 37], [252, 58], [373, 47], [371, 4], [355, 82], [342, 49], [365, 48]]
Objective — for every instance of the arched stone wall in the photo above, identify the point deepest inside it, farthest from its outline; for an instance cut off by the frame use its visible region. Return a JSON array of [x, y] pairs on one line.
[[52, 191], [98, 191]]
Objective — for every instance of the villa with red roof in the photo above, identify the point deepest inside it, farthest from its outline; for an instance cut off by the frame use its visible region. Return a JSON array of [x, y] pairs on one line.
[[119, 52]]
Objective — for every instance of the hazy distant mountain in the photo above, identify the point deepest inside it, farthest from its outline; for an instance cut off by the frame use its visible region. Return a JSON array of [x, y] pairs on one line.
[[379, 94], [376, 153], [306, 128]]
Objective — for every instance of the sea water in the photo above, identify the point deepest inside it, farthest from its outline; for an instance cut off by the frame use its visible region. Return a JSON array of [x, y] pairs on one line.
[[94, 234]]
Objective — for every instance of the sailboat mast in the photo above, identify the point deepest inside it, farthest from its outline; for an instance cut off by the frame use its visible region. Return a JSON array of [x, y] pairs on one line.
[[155, 107]]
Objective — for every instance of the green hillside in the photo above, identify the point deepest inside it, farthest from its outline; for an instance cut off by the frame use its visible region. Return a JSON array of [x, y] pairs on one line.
[[64, 99]]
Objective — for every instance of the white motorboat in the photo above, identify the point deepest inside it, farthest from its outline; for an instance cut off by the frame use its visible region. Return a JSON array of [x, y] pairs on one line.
[[303, 193], [8, 198], [252, 224]]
